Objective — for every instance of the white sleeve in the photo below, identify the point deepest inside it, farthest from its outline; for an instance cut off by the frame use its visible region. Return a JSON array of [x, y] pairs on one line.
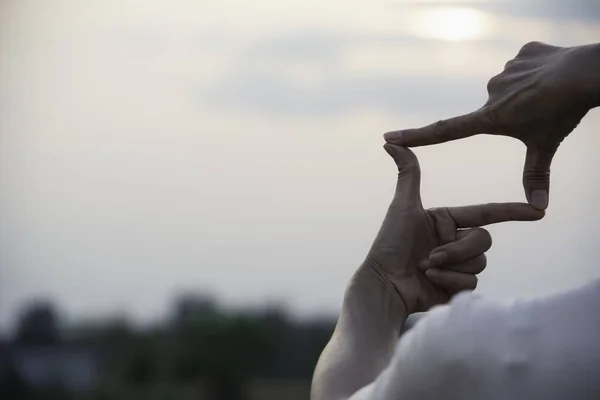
[[444, 356]]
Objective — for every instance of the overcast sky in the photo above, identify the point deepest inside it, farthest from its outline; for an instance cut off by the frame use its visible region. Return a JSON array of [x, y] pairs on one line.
[[150, 147]]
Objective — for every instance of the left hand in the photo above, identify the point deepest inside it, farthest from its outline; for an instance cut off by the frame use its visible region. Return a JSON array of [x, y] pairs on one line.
[[539, 98], [427, 256]]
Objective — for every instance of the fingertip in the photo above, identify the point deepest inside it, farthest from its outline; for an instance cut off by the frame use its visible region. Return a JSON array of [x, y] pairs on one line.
[[389, 149], [403, 156], [432, 274], [538, 214], [438, 258], [539, 199], [393, 137]]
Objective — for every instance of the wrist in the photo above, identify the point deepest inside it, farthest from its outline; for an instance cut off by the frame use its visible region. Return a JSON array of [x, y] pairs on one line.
[[587, 63], [369, 274], [371, 300], [363, 342]]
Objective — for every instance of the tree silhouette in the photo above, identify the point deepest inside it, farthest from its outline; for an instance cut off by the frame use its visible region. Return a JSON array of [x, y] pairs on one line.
[[38, 325]]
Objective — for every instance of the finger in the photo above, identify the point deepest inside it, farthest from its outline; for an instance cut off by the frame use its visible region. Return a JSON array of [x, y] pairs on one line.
[[452, 280], [442, 131], [475, 265], [408, 187], [493, 213], [536, 176], [470, 244], [445, 226]]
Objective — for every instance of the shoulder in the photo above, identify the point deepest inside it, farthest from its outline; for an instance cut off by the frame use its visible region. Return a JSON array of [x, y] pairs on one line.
[[457, 348], [475, 348], [469, 328]]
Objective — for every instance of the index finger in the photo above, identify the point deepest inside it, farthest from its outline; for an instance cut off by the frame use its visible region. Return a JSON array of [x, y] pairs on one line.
[[493, 213], [442, 131]]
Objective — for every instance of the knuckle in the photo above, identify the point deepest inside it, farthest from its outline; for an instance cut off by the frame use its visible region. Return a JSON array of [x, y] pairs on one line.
[[530, 46], [480, 264], [482, 261], [486, 237], [475, 265], [439, 129], [536, 176], [511, 64], [494, 83]]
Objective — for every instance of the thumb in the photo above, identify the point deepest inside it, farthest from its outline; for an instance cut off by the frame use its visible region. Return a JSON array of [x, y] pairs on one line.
[[536, 176], [408, 188]]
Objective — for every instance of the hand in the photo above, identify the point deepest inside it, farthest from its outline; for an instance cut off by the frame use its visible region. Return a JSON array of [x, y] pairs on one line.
[[427, 256], [539, 98]]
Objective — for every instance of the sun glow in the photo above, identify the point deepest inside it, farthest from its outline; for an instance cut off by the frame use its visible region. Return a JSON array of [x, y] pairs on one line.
[[451, 23]]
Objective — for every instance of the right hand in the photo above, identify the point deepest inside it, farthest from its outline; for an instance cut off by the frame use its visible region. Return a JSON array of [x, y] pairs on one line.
[[427, 256], [539, 98]]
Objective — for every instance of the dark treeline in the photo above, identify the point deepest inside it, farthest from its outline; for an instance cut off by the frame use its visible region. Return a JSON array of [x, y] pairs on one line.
[[202, 349]]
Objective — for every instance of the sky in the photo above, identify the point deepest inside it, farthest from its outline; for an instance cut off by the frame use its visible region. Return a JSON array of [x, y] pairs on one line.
[[234, 147]]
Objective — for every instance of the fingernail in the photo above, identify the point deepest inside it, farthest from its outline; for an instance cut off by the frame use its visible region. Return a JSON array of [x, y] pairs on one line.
[[431, 274], [393, 136], [438, 258], [539, 199]]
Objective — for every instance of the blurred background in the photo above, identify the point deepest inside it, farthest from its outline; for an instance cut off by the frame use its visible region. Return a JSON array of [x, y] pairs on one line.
[[186, 186]]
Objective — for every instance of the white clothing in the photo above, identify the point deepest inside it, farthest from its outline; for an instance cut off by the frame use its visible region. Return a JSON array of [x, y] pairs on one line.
[[473, 348]]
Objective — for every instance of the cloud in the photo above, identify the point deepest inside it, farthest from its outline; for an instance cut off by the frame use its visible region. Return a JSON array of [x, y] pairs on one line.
[[343, 94], [573, 9], [308, 71], [587, 10], [327, 73], [304, 44]]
